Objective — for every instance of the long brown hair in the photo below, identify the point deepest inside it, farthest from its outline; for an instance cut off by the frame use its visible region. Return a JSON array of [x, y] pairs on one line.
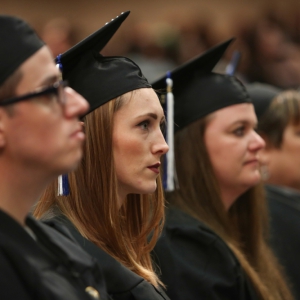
[[92, 205], [243, 228]]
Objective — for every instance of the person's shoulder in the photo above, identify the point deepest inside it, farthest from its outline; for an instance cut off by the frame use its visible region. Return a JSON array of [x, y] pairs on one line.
[[120, 280], [11, 286], [42, 256], [181, 223], [282, 199], [184, 234], [194, 261], [63, 245]]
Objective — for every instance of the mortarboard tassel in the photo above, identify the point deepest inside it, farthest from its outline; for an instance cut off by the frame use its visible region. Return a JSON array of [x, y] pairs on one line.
[[169, 162], [58, 62], [63, 183]]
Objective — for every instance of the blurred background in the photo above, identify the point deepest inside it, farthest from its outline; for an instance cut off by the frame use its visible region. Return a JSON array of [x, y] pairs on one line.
[[159, 35]]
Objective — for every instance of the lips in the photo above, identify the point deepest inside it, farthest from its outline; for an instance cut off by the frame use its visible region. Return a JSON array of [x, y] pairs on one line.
[[251, 161], [154, 168], [78, 134]]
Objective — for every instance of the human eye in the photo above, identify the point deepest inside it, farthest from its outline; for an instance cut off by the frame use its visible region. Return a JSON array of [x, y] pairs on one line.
[[163, 127], [51, 97], [144, 125], [240, 131]]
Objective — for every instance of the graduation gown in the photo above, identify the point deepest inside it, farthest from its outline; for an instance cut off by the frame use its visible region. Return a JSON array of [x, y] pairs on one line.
[[196, 264], [284, 209], [46, 265], [121, 283]]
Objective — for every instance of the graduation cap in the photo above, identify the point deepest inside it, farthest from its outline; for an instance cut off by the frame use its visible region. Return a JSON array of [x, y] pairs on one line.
[[100, 78], [198, 91], [18, 43], [261, 95]]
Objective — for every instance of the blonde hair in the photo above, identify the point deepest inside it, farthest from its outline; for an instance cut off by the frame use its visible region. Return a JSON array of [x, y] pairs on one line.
[[243, 228], [92, 205]]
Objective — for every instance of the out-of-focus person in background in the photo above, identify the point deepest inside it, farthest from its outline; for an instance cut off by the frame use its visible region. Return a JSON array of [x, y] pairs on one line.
[[116, 200], [213, 245], [153, 47], [274, 57], [40, 138], [59, 35], [279, 124]]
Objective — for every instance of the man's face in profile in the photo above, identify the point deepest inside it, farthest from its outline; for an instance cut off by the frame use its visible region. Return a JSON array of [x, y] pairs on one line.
[[44, 135]]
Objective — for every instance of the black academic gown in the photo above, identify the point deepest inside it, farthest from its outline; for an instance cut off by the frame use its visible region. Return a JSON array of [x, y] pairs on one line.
[[50, 267], [284, 209], [196, 264], [121, 283]]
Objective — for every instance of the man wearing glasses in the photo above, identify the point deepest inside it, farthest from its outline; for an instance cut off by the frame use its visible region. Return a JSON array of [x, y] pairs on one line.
[[40, 138]]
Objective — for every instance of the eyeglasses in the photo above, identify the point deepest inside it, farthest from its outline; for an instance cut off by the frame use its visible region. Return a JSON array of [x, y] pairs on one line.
[[56, 89]]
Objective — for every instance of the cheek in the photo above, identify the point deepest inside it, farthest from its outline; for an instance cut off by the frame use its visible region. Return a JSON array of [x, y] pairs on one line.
[[227, 157], [49, 137], [222, 151], [128, 153]]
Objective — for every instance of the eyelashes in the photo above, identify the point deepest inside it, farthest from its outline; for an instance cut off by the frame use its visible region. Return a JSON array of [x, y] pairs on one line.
[[163, 126], [242, 130], [239, 131], [146, 124]]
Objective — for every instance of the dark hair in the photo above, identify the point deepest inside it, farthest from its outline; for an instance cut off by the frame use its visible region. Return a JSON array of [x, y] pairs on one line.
[[284, 110]]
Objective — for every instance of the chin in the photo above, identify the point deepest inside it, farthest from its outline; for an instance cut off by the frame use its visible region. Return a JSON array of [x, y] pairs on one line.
[[254, 180], [68, 166], [147, 189]]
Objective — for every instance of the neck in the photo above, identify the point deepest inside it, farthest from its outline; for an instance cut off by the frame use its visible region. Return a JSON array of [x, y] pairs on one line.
[[229, 196], [19, 191], [121, 197]]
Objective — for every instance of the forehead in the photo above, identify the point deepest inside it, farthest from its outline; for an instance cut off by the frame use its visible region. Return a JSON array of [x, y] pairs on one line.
[[38, 70], [243, 112], [142, 101]]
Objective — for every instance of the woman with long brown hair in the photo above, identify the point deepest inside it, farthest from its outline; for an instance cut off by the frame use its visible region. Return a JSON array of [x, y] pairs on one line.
[[116, 199], [214, 241]]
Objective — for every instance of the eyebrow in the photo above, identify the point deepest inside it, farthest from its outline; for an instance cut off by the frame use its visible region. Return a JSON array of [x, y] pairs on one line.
[[244, 122], [49, 80], [152, 115]]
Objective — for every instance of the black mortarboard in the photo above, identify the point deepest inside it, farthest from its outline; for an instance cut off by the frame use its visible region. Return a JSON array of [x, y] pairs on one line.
[[96, 77], [18, 43], [198, 91], [261, 95]]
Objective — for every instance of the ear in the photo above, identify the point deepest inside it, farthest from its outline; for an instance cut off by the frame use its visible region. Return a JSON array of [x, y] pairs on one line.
[[2, 128]]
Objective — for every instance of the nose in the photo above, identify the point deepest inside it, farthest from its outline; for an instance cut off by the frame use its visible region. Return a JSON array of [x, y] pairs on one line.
[[257, 143], [160, 146], [76, 105]]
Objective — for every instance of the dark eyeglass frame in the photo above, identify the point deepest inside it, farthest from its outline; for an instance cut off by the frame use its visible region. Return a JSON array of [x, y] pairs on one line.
[[57, 88]]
